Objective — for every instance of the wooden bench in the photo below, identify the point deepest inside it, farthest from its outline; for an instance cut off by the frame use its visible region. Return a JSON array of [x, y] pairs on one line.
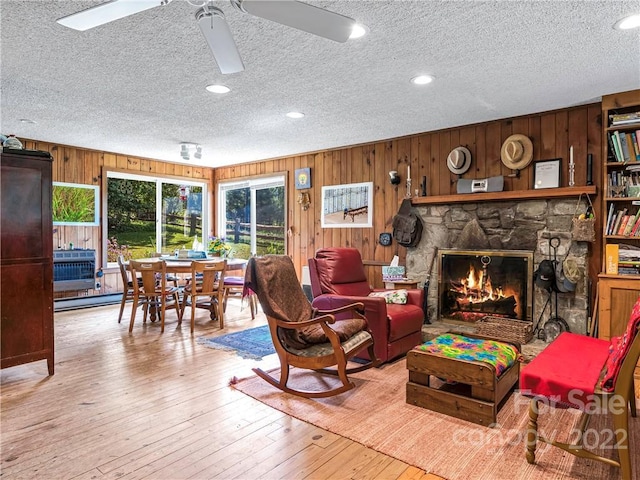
[[353, 212], [471, 392]]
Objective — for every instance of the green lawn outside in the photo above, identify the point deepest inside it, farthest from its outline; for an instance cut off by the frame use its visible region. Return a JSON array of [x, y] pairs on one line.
[[141, 242]]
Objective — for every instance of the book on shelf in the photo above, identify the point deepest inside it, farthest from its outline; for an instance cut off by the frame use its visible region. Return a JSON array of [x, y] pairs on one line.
[[614, 220], [624, 147], [636, 225], [628, 271], [619, 216], [614, 141], [611, 258], [612, 149], [624, 117], [630, 224], [628, 252], [609, 219], [626, 123], [623, 225], [633, 141]]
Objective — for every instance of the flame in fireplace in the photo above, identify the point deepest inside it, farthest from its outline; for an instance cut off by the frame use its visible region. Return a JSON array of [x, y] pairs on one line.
[[476, 288], [471, 286]]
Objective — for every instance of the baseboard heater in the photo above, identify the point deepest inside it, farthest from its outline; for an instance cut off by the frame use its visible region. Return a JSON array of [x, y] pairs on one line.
[[74, 303], [74, 270]]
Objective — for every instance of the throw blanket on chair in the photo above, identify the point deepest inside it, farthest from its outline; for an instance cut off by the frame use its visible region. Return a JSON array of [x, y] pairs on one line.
[[273, 278]]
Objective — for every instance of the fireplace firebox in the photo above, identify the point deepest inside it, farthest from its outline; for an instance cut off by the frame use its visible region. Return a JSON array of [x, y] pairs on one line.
[[473, 284]]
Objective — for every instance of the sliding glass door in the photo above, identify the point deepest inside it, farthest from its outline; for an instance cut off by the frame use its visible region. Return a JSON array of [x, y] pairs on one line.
[[252, 216], [148, 215]]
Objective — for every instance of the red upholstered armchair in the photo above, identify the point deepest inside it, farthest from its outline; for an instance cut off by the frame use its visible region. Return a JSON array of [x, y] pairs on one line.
[[338, 278]]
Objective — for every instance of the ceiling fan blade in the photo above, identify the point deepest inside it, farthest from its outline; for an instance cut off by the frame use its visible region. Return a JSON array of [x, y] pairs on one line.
[[107, 12], [218, 35], [302, 16]]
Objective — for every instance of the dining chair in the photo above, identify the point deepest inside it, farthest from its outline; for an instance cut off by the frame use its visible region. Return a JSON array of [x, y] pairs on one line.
[[127, 293], [234, 287], [205, 290], [170, 277], [153, 294]]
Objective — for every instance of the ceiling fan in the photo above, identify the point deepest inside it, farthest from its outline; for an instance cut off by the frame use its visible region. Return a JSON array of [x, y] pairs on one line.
[[215, 28]]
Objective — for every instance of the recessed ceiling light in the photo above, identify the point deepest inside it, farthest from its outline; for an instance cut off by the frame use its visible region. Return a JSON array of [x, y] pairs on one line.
[[26, 120], [358, 31], [295, 114], [632, 21], [218, 89], [422, 79]]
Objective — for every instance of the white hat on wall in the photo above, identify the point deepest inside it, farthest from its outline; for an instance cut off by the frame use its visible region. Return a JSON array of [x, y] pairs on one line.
[[459, 160]]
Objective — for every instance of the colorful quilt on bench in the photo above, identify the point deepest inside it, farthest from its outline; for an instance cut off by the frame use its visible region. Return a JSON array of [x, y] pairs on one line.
[[498, 354]]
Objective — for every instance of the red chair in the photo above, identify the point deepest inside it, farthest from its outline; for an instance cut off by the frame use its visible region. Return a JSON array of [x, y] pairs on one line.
[[338, 278], [585, 373]]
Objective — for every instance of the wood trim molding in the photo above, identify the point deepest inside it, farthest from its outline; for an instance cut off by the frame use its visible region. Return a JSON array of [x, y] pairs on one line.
[[504, 196]]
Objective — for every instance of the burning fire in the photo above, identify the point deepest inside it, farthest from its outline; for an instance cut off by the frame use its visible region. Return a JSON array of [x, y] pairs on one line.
[[476, 289]]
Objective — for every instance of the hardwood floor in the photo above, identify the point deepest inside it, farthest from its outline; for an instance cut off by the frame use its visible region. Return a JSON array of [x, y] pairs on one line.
[[158, 406]]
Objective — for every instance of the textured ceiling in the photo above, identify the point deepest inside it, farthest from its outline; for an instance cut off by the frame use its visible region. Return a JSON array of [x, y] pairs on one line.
[[137, 85]]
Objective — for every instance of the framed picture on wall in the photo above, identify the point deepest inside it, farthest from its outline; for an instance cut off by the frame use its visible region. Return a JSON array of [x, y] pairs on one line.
[[547, 173], [347, 206], [75, 204], [303, 178]]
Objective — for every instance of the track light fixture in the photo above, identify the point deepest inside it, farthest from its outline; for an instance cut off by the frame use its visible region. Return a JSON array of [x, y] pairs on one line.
[[185, 149]]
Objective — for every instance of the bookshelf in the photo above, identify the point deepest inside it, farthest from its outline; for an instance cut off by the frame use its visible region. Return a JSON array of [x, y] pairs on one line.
[[621, 182], [619, 287]]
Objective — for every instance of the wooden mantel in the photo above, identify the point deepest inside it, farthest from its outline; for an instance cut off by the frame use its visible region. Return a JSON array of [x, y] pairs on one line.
[[503, 196]]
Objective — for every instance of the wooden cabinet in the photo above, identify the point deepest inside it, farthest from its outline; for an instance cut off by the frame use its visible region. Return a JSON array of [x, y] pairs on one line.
[[616, 297], [26, 258]]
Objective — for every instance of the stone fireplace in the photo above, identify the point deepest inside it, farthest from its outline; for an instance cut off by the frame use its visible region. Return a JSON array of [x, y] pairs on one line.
[[525, 225], [475, 283]]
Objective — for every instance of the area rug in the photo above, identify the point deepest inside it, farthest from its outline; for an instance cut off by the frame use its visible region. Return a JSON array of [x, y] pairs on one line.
[[253, 343], [376, 415]]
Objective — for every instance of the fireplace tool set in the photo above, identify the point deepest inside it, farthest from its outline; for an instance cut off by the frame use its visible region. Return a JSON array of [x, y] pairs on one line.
[[545, 277]]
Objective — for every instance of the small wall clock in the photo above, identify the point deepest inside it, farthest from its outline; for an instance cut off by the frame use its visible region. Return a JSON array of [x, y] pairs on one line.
[[385, 239]]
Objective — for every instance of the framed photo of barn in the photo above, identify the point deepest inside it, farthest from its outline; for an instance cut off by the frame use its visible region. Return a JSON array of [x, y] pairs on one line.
[[347, 206]]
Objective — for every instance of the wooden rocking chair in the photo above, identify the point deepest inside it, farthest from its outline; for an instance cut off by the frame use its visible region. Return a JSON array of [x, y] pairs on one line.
[[304, 337], [586, 373]]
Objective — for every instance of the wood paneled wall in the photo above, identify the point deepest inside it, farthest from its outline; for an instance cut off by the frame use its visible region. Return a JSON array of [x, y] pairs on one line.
[[552, 133], [80, 165]]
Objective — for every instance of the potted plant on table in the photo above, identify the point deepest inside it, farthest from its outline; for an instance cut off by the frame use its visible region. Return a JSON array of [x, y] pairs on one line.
[[217, 247]]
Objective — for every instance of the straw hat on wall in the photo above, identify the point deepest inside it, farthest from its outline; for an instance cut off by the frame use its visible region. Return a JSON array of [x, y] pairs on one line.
[[517, 152]]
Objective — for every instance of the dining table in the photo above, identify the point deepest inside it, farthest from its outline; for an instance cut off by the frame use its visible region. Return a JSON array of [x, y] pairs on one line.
[[176, 264], [183, 265]]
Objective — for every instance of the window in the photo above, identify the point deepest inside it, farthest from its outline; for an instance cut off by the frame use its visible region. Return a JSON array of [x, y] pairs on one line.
[[150, 215], [251, 216]]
